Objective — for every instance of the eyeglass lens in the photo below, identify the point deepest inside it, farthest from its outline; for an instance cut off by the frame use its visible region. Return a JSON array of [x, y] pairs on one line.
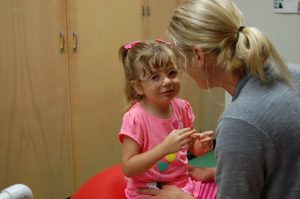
[[157, 78]]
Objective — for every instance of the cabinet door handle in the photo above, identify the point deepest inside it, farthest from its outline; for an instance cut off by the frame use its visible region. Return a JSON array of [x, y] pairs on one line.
[[143, 11], [62, 41], [75, 41]]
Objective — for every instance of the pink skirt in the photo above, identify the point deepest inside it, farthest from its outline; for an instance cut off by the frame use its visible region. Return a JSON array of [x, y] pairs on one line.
[[208, 190]]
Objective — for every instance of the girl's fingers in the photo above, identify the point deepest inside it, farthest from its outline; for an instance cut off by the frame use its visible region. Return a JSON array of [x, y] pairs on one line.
[[184, 146], [208, 139], [192, 140], [204, 136], [187, 142], [187, 134], [209, 134], [183, 131]]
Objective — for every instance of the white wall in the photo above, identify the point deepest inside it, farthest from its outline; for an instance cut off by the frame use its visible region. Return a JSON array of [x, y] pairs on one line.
[[282, 29]]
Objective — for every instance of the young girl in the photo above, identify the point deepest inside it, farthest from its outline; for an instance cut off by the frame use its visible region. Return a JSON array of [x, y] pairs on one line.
[[157, 128]]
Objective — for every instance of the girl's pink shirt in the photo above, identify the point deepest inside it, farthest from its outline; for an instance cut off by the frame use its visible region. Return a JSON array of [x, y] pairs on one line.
[[148, 131]]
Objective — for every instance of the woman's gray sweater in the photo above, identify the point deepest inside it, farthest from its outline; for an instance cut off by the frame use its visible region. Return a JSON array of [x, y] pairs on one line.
[[258, 141]]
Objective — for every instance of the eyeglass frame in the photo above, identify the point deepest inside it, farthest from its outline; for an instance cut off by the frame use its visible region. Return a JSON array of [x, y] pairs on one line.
[[162, 77]]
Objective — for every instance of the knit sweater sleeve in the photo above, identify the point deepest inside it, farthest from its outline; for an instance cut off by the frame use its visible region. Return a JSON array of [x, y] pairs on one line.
[[243, 152]]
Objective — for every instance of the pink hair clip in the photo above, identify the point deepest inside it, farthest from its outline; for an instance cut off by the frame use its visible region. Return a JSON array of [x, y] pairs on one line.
[[131, 45], [163, 41]]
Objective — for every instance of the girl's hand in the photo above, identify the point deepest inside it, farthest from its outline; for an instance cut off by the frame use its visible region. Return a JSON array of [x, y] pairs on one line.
[[177, 140], [203, 142]]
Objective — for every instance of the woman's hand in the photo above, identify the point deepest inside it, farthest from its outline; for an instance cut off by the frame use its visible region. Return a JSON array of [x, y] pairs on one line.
[[203, 142], [202, 174], [167, 192], [177, 140]]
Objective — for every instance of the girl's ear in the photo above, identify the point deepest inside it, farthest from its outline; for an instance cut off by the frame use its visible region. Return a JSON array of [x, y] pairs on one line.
[[137, 87], [200, 56]]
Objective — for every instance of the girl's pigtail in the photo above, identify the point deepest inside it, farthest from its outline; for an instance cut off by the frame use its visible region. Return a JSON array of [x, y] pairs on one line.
[[122, 53]]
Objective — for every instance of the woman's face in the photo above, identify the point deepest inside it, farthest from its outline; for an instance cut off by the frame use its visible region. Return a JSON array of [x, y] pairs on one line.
[[199, 71], [205, 71]]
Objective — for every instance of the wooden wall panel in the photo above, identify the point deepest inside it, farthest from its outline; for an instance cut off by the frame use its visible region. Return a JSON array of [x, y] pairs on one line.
[[34, 106]]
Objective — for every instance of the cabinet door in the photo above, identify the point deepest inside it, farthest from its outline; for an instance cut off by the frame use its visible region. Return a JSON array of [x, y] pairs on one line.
[[156, 17], [34, 106], [97, 82]]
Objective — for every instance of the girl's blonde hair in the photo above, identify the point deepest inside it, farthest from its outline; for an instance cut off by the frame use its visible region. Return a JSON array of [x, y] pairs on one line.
[[139, 57], [218, 27]]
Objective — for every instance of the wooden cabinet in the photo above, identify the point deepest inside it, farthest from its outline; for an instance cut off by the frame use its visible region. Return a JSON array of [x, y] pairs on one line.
[[61, 90], [35, 136]]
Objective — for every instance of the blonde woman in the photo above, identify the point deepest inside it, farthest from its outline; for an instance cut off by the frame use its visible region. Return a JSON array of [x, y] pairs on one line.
[[258, 135]]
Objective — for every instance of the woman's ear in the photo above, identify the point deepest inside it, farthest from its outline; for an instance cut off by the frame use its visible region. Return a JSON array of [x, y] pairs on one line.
[[137, 87], [200, 56]]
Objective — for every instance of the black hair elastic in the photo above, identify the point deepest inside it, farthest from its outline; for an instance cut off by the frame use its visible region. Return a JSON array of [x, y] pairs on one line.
[[239, 30]]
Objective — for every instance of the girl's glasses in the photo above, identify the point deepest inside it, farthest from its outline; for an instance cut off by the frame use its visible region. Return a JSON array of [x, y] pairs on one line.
[[157, 78]]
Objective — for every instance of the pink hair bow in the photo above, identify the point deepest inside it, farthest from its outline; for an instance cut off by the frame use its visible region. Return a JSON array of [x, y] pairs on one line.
[[134, 43], [131, 45]]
